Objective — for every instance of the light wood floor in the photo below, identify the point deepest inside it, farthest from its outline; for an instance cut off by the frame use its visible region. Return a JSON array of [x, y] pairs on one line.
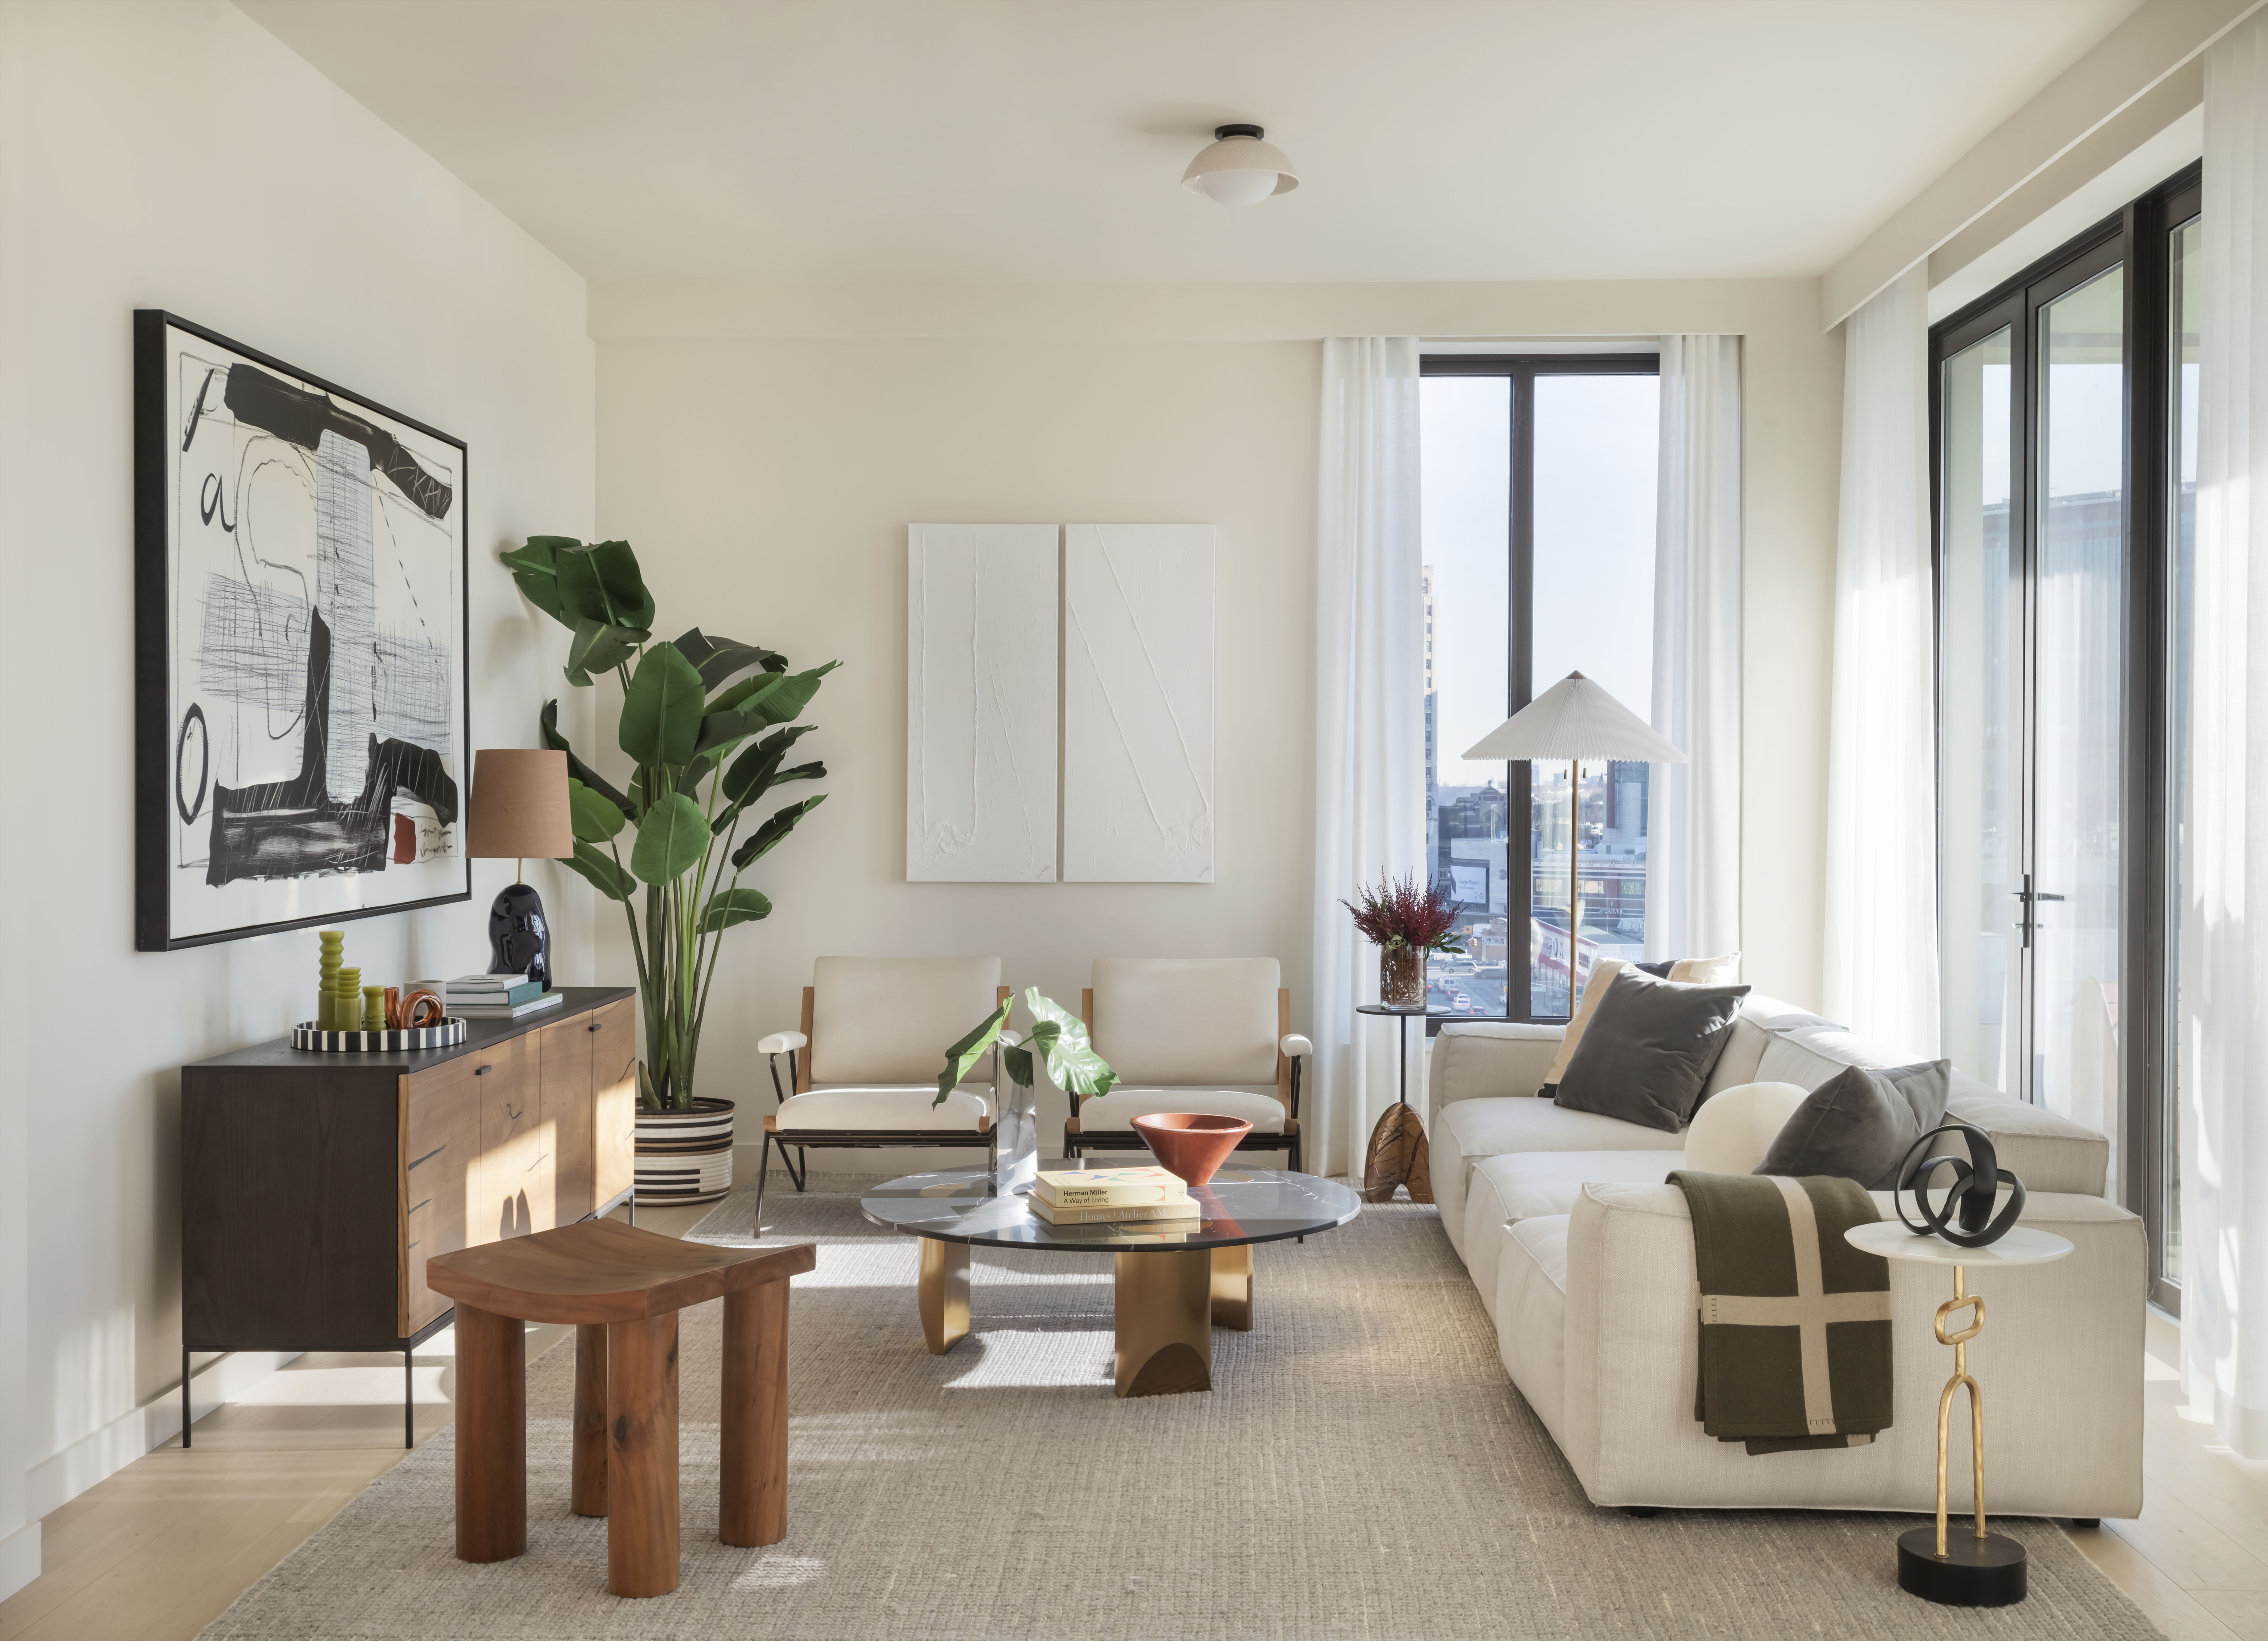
[[160, 1549]]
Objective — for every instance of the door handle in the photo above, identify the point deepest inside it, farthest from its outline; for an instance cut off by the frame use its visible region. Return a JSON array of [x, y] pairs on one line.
[[481, 1071]]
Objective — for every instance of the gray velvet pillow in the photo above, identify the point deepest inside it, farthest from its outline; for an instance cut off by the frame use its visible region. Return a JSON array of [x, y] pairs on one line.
[[1859, 1123], [1648, 1051]]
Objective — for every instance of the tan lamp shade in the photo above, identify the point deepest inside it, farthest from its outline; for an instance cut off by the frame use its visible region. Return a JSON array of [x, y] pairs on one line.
[[519, 809]]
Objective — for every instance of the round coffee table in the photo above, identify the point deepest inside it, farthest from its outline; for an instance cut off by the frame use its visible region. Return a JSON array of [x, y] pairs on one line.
[[1174, 1281]]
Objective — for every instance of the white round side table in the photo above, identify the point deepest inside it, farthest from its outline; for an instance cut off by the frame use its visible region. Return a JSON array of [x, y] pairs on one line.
[[1986, 1569]]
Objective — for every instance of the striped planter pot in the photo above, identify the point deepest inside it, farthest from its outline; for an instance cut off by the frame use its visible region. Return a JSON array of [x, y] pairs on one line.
[[685, 1156]]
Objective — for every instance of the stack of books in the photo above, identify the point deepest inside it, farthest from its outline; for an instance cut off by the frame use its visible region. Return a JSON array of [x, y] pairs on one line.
[[1090, 1196], [496, 996]]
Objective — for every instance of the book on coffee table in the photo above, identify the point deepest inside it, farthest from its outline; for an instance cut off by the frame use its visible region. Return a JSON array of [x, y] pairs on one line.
[[1095, 1187], [1111, 1213]]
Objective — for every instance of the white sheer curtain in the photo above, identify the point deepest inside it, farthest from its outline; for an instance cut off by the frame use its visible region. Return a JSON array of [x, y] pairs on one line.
[[1370, 719], [2224, 992], [1693, 847], [1881, 959]]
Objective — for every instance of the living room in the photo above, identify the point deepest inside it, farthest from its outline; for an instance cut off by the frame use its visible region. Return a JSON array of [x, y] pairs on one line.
[[981, 577]]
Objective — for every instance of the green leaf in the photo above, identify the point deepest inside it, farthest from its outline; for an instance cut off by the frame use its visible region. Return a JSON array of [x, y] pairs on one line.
[[548, 728], [661, 709], [602, 582], [793, 695], [965, 1053], [690, 777], [670, 838], [734, 906], [720, 732], [1062, 1041], [599, 647], [536, 572], [600, 871], [802, 772], [782, 823], [757, 769], [718, 658], [747, 690], [1017, 1061], [598, 819]]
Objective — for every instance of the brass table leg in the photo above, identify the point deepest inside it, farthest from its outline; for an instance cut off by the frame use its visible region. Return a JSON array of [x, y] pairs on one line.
[[944, 1294], [1165, 1304], [1232, 1287], [1982, 1569]]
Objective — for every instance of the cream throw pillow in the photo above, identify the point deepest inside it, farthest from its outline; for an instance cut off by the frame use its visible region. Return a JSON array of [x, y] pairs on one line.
[[1725, 971], [1733, 1131]]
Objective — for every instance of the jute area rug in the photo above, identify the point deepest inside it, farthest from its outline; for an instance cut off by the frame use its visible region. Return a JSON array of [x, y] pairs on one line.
[[1362, 1468]]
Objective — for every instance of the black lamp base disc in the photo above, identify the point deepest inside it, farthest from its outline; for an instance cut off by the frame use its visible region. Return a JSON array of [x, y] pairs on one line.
[[1972, 1574]]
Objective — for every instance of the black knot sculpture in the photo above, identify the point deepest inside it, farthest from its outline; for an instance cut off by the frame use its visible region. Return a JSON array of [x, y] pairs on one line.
[[1968, 1199]]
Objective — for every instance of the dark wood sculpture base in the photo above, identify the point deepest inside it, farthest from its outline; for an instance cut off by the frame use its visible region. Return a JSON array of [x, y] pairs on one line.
[[1972, 1574], [1398, 1157]]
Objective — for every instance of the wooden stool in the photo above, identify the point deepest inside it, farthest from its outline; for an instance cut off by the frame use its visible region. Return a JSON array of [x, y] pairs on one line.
[[622, 1289]]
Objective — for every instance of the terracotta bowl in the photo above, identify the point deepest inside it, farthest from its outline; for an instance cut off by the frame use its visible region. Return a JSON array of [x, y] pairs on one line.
[[1190, 1145]]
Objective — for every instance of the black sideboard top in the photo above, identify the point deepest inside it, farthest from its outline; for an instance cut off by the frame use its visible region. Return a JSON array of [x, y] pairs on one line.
[[479, 1034]]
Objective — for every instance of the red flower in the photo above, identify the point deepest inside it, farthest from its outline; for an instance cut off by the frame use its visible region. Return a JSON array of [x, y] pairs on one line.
[[1404, 914]]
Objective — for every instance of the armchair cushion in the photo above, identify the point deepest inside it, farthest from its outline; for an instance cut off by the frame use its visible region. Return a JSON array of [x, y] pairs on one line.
[[884, 1107], [1188, 1020], [1115, 1112], [889, 1020]]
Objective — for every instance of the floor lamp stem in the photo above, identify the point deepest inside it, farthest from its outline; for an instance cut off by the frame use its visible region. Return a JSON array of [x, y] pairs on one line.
[[1574, 875]]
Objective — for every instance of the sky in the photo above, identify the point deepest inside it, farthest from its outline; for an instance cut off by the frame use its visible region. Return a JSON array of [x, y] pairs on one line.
[[1596, 441]]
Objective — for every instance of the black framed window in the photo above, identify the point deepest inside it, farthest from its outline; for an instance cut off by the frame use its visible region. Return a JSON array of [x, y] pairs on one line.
[[2065, 464], [1539, 474]]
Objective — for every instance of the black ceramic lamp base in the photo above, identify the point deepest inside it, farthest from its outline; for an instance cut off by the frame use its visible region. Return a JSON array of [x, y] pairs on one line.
[[519, 935], [1990, 1573]]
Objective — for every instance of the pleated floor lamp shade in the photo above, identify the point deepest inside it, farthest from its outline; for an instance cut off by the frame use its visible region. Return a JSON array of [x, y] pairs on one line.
[[519, 811], [1573, 720]]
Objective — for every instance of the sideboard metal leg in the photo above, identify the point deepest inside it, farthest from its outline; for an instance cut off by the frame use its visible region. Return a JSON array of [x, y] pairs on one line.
[[408, 1400], [185, 1395]]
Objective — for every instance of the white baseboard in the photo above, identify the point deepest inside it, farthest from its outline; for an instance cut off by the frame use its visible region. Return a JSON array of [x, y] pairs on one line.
[[20, 1558], [54, 1482]]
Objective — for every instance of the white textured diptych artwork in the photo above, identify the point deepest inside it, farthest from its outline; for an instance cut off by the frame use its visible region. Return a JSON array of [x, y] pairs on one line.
[[1138, 685], [981, 646]]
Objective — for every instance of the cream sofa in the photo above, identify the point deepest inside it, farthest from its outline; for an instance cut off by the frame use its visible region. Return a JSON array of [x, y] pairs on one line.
[[1583, 1255]]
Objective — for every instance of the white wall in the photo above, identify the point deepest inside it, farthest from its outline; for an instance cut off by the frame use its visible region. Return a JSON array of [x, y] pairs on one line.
[[176, 155], [764, 448]]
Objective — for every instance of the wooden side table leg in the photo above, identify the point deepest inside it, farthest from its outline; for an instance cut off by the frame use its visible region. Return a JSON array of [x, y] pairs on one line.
[[753, 1472], [491, 1436], [642, 1556], [944, 1294], [1232, 1287], [590, 1483]]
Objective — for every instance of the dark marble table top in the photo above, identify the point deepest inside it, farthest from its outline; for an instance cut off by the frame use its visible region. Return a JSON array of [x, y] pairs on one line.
[[1240, 1205]]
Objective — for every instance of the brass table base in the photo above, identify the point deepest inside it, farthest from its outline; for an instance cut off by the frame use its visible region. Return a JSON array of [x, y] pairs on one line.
[[1978, 1569], [1167, 1303]]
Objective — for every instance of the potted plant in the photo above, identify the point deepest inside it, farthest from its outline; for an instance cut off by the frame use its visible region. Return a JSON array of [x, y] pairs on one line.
[[706, 724], [1405, 921], [1060, 1039]]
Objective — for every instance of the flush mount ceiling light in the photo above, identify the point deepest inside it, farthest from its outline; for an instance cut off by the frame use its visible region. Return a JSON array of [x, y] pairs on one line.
[[1240, 169]]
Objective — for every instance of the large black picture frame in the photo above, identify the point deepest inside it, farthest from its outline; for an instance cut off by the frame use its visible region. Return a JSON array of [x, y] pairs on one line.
[[284, 849]]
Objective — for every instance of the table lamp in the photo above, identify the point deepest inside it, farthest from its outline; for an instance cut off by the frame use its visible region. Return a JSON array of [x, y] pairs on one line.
[[1575, 719], [519, 809]]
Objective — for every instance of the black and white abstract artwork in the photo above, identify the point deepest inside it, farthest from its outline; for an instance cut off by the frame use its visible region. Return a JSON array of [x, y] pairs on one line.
[[302, 734]]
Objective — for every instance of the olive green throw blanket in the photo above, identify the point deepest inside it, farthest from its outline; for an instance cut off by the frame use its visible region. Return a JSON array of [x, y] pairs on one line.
[[1795, 1322]]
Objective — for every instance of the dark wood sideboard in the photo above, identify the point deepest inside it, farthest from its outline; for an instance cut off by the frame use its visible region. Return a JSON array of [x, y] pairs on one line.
[[315, 1186]]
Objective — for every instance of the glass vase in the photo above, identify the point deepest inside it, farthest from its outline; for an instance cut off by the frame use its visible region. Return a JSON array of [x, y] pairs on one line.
[[1402, 976]]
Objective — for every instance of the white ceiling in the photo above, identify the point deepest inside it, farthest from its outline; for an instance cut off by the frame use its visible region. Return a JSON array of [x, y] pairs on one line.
[[1044, 139]]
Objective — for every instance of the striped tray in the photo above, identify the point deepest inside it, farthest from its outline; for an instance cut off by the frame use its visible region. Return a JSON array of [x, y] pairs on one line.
[[448, 1034]]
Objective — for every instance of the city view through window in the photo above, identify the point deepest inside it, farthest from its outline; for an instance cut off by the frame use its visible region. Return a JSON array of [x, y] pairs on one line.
[[1586, 604]]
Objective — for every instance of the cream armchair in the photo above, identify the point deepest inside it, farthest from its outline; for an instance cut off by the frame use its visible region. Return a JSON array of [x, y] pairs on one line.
[[1198, 1034], [862, 1073]]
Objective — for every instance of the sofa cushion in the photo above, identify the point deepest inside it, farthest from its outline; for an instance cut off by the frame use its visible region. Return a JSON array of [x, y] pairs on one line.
[[1860, 1124], [1490, 1128], [1530, 1302], [2045, 1151], [1649, 1050], [1538, 1184], [1488, 1060], [1595, 986], [1736, 1064], [1733, 1131]]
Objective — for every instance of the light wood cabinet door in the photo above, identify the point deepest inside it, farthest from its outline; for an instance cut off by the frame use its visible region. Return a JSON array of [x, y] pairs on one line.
[[514, 1190], [614, 1064], [441, 1151], [563, 1054]]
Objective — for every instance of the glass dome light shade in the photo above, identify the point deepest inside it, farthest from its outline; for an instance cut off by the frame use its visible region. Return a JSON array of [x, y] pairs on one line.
[[1240, 171]]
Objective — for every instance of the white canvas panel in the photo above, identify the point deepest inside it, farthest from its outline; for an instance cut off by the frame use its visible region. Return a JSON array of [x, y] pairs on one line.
[[981, 702], [1138, 685]]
